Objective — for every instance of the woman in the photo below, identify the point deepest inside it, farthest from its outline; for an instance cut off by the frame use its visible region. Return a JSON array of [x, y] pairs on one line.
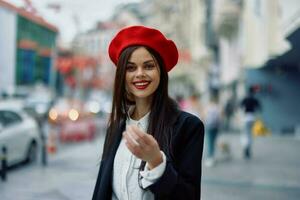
[[212, 122], [152, 150]]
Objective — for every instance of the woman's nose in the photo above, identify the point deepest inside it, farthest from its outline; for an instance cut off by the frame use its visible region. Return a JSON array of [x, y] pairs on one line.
[[140, 72]]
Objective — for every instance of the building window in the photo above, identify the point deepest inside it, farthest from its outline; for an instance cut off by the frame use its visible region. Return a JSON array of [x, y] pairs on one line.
[[27, 66]]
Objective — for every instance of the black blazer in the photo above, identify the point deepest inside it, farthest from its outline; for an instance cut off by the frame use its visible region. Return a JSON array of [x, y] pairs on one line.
[[182, 176]]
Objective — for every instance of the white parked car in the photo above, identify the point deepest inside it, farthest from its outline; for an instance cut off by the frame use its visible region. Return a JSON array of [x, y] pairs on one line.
[[19, 134]]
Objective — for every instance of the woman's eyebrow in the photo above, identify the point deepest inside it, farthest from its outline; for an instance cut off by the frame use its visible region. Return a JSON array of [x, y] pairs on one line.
[[131, 63], [148, 61]]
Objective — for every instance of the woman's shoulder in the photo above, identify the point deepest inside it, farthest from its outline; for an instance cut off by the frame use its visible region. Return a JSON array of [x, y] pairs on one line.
[[188, 118], [187, 127]]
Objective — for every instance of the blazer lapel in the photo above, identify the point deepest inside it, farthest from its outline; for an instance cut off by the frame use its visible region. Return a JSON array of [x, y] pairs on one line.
[[106, 169]]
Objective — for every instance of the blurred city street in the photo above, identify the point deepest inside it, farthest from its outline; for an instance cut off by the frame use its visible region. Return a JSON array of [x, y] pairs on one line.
[[238, 68], [273, 173]]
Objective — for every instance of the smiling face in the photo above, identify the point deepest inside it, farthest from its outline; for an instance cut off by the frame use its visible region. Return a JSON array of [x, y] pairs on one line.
[[142, 74]]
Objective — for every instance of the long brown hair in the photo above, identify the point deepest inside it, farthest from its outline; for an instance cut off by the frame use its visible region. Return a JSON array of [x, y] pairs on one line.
[[163, 112]]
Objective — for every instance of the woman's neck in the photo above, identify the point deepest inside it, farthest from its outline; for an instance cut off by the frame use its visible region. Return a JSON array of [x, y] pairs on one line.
[[141, 109]]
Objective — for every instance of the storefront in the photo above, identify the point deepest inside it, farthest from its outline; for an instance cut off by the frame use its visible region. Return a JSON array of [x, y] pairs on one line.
[[278, 85]]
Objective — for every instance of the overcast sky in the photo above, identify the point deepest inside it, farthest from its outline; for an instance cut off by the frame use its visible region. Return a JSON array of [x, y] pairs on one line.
[[87, 13]]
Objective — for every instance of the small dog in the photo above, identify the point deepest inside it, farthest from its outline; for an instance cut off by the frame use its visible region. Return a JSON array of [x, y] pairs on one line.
[[225, 150]]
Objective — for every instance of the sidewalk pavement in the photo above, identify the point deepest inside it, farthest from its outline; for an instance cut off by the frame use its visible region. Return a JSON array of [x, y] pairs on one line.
[[70, 175], [272, 173]]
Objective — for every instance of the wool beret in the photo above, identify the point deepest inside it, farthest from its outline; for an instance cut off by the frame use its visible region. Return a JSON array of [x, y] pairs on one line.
[[144, 36]]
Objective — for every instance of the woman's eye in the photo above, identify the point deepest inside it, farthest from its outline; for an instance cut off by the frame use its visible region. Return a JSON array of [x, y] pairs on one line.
[[149, 66], [130, 68]]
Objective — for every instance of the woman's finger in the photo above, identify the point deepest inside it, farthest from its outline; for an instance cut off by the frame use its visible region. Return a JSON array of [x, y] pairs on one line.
[[136, 136], [144, 137], [132, 146], [130, 139]]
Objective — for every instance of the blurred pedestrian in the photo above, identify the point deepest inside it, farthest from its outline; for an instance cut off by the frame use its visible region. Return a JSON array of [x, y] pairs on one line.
[[193, 106], [228, 112], [250, 106], [152, 149], [212, 123], [180, 101]]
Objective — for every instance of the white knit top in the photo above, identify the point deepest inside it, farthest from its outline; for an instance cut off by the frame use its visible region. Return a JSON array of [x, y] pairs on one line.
[[126, 168]]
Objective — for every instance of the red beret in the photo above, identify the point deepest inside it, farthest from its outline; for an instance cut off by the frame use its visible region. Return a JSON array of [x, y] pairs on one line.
[[144, 36]]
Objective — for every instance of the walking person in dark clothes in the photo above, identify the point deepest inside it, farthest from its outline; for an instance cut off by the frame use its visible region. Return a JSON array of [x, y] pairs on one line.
[[152, 150], [250, 106]]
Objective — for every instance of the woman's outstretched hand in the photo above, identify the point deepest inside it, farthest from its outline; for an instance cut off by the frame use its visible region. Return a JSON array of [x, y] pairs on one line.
[[143, 146]]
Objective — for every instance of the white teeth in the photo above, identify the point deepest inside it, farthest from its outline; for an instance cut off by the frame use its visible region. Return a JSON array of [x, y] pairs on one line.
[[141, 84]]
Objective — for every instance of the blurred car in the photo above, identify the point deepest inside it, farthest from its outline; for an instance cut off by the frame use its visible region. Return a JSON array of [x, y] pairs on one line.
[[65, 110], [78, 131], [38, 102], [72, 121], [99, 103], [19, 134]]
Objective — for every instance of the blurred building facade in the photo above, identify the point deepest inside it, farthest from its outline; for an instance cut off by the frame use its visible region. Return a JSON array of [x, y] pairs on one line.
[[28, 43], [276, 80], [255, 48], [94, 44]]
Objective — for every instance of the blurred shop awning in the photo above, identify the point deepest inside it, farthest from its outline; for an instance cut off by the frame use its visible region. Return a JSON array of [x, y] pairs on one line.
[[290, 60]]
